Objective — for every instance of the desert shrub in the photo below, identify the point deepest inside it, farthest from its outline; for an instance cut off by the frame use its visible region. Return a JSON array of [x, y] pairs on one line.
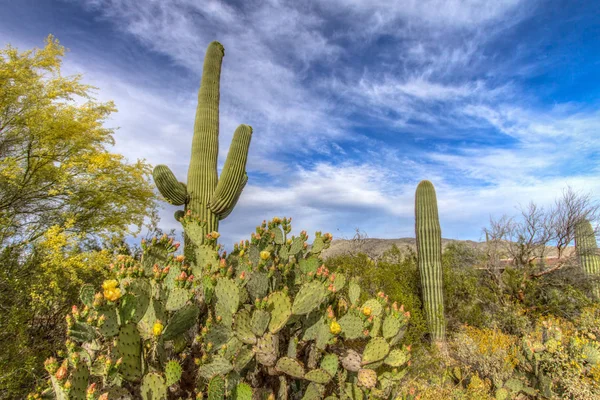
[[467, 292], [561, 360], [489, 352]]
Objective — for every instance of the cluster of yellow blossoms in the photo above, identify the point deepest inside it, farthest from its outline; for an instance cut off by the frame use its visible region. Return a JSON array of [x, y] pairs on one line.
[[111, 290]]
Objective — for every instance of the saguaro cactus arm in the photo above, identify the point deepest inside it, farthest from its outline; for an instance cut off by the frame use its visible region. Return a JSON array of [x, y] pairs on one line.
[[232, 177], [173, 191]]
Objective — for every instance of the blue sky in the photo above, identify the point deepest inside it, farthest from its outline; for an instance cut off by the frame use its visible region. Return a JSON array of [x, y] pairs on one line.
[[352, 102]]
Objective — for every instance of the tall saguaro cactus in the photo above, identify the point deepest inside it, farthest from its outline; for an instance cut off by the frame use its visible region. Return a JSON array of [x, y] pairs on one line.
[[587, 251], [429, 252], [208, 196]]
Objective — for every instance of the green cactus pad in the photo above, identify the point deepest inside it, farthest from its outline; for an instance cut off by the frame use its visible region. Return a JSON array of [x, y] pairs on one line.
[[177, 298], [353, 291], [86, 295], [260, 321], [278, 235], [181, 321], [324, 335], [391, 326], [79, 382], [218, 366], [81, 332], [376, 327], [228, 294], [173, 372], [254, 254], [280, 308], [352, 326], [330, 363], [219, 335], [216, 388], [242, 358], [129, 347], [353, 392], [309, 265], [339, 282], [375, 350], [233, 347], [242, 327], [154, 254], [59, 392], [312, 323], [318, 376], [296, 246], [258, 285], [153, 387], [309, 297], [243, 391], [267, 349], [155, 312], [110, 327], [290, 367], [206, 258], [318, 245], [374, 305], [314, 391], [396, 358]]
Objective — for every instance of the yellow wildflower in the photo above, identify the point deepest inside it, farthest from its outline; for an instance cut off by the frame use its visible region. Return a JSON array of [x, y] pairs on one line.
[[111, 291], [335, 328], [157, 328], [110, 284]]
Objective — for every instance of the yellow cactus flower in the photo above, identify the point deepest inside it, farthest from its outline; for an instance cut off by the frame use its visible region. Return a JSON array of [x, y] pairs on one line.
[[366, 311], [112, 294], [215, 235], [265, 255], [110, 284], [335, 328], [157, 328]]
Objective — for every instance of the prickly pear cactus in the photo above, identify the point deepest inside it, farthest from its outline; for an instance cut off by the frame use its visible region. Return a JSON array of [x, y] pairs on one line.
[[266, 320]]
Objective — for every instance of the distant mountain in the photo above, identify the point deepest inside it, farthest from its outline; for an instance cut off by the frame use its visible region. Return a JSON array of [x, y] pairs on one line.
[[375, 248]]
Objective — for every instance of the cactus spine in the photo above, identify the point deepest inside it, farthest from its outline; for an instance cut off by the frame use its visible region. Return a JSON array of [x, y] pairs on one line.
[[587, 251], [208, 196], [429, 251]]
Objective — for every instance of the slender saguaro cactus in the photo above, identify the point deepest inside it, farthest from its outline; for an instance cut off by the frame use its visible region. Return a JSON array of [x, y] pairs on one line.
[[208, 196], [587, 251], [429, 251]]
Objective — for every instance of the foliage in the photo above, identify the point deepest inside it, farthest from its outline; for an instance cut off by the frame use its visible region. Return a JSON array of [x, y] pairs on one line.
[[375, 276], [54, 162], [63, 198], [468, 294], [268, 318]]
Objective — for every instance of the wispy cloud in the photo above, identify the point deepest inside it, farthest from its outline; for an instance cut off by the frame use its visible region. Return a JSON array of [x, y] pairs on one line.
[[353, 103]]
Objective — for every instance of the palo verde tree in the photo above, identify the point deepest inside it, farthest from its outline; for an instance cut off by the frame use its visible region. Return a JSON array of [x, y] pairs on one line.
[[60, 187]]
